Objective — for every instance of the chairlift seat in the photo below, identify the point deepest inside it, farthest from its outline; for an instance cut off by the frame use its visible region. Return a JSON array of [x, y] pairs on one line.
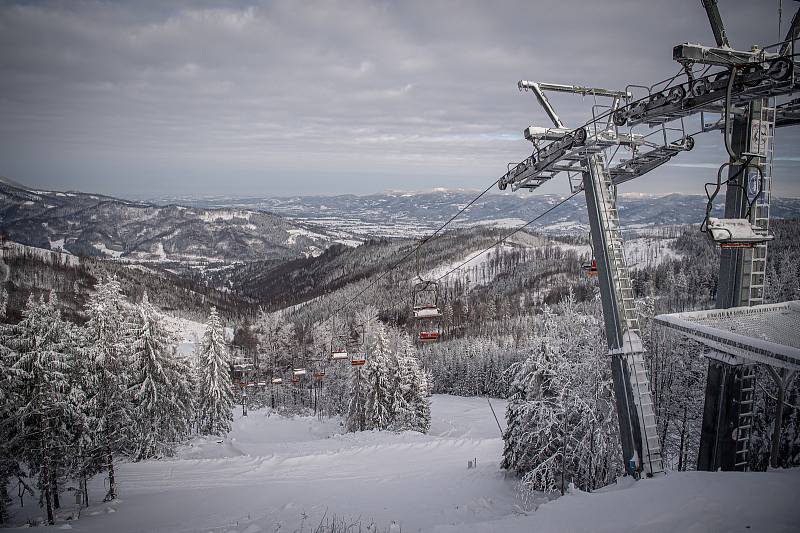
[[735, 233], [277, 381], [358, 360], [427, 311], [339, 356], [428, 336], [590, 267], [299, 372]]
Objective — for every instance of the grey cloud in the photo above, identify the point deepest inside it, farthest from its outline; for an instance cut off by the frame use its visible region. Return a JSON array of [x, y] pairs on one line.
[[293, 97]]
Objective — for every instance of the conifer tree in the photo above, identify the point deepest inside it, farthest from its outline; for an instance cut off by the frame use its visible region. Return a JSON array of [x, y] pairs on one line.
[[159, 388], [356, 418], [9, 401], [214, 380], [378, 405], [46, 412], [109, 335]]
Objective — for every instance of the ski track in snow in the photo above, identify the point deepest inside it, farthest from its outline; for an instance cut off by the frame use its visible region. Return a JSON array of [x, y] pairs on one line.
[[270, 472]]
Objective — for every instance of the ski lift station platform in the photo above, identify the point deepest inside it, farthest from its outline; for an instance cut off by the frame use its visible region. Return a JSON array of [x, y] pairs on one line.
[[768, 334], [739, 339]]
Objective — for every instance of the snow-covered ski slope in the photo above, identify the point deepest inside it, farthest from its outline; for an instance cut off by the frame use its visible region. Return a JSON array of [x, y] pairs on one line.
[[270, 472]]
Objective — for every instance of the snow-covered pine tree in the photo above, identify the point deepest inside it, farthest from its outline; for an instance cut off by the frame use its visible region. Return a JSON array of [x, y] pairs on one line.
[[358, 417], [410, 404], [534, 418], [83, 463], [379, 394], [45, 414], [216, 399], [159, 386], [4, 274], [418, 394], [379, 385], [335, 384], [10, 379], [355, 417], [109, 335], [561, 423], [275, 339]]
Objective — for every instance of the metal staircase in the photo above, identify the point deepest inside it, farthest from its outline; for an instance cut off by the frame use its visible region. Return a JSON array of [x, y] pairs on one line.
[[762, 133], [761, 143], [744, 404], [630, 345]]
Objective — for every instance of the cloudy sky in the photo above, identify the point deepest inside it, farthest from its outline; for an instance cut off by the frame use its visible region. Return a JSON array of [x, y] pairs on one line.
[[144, 99]]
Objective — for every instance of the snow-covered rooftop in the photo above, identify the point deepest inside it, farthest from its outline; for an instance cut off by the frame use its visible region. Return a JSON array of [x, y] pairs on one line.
[[764, 333]]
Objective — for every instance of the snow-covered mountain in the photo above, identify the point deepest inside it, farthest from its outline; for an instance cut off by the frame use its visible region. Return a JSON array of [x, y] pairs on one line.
[[96, 225], [416, 213]]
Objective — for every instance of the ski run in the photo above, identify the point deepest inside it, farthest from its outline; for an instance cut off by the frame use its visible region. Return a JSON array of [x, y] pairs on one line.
[[274, 473]]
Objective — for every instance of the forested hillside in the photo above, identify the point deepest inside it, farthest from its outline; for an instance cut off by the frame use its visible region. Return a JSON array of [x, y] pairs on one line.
[[172, 236], [37, 272]]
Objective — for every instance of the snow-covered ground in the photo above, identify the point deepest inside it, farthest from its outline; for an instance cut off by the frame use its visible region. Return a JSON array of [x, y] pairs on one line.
[[189, 333], [640, 252], [687, 502], [277, 474], [644, 252], [477, 259], [270, 472]]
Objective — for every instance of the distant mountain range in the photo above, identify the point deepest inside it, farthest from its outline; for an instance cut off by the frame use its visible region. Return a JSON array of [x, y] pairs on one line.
[[416, 213], [209, 233], [101, 226]]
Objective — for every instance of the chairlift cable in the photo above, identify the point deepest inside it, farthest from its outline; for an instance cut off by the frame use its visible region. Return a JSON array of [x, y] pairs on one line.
[[596, 119], [416, 248], [517, 230]]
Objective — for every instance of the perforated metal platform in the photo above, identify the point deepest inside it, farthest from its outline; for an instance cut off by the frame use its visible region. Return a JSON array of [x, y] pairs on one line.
[[767, 333]]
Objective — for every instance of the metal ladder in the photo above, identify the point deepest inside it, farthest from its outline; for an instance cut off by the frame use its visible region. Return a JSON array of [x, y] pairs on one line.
[[632, 350], [762, 142], [762, 134], [745, 405]]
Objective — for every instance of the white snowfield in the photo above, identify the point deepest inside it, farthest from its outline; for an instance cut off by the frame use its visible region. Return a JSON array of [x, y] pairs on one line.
[[271, 472]]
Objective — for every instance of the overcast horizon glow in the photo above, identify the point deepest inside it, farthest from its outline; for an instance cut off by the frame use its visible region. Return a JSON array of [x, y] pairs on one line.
[[149, 99]]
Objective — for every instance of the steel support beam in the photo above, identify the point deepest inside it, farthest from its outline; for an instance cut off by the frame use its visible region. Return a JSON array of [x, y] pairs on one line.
[[720, 413], [715, 19], [629, 430]]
